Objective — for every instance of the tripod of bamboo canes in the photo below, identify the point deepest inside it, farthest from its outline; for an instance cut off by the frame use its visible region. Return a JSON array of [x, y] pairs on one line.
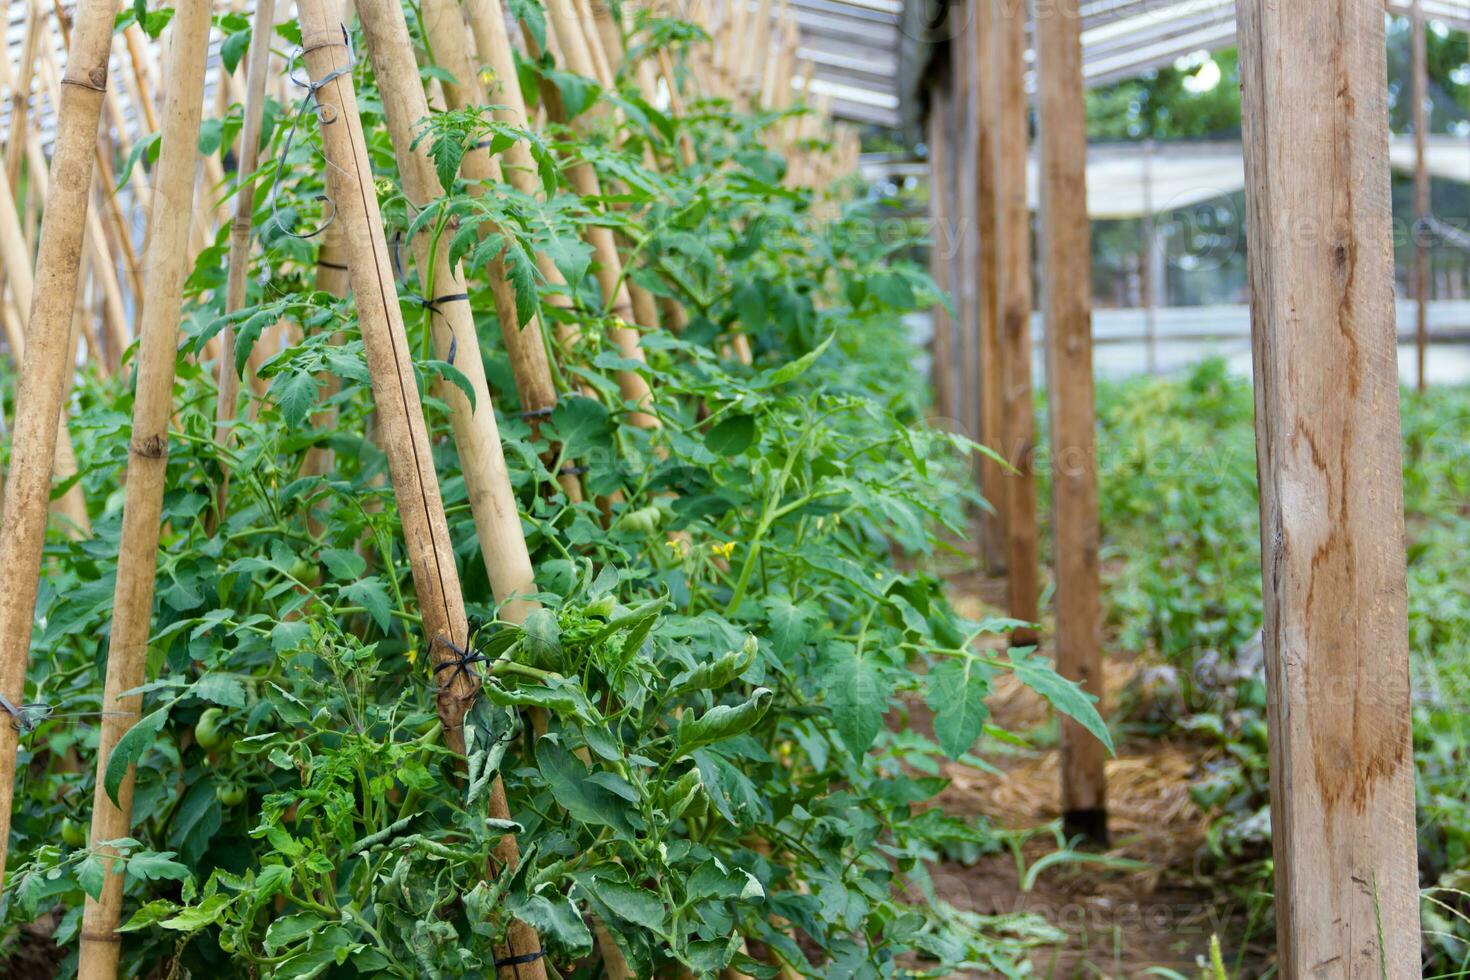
[[401, 428], [43, 374], [147, 469]]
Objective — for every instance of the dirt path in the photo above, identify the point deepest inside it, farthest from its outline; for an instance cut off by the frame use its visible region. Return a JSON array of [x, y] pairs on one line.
[[1119, 922]]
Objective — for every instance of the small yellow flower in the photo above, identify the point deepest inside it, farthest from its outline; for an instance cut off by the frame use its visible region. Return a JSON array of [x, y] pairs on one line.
[[723, 550], [413, 655], [678, 546]]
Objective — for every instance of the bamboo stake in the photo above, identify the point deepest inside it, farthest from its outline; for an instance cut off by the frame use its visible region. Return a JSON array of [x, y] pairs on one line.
[[103, 268], [227, 402], [524, 343], [487, 23], [401, 423], [132, 609], [487, 479], [72, 506], [526, 346], [20, 96], [51, 75], [604, 245], [42, 384], [604, 41]]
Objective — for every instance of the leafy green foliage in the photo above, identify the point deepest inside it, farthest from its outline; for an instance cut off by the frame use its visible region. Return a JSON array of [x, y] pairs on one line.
[[692, 732]]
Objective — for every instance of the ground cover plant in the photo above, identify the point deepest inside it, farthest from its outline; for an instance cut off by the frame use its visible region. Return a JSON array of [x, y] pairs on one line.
[[689, 730]]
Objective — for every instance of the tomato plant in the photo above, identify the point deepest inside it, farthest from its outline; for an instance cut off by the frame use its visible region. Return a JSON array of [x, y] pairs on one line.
[[700, 732]]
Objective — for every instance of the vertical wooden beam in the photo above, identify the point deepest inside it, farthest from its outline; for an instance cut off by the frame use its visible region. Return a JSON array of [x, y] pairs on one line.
[[1332, 527], [964, 242], [1013, 297], [941, 350], [1419, 67], [1067, 305], [993, 484]]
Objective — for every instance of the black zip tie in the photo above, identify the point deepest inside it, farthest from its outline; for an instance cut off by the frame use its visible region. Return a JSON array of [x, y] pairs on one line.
[[536, 413], [485, 144], [312, 87], [453, 349], [571, 471], [433, 304], [333, 265], [521, 959], [466, 659]]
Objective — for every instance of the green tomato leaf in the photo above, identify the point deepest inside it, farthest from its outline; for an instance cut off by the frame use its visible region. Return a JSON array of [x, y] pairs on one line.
[[1064, 695], [130, 748], [721, 722], [857, 696], [957, 690], [731, 436], [371, 594], [587, 802]]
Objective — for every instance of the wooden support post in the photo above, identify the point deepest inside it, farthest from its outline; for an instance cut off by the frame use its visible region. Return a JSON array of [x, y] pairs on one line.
[[941, 349], [1332, 526], [965, 127], [137, 563], [1419, 66], [42, 386], [993, 483], [401, 428], [1067, 305], [1013, 298]]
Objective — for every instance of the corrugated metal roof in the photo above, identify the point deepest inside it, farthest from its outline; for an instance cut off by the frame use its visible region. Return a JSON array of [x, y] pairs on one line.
[[1124, 38]]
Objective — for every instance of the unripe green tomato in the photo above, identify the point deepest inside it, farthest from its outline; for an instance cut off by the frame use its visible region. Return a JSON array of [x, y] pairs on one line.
[[641, 521], [302, 570], [73, 834], [207, 730], [230, 794]]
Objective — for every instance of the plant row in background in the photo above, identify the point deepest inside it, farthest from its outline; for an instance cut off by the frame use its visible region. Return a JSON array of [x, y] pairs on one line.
[[1177, 476]]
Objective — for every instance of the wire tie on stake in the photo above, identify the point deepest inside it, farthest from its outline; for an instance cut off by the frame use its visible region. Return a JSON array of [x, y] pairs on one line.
[[27, 716], [312, 87], [536, 413]]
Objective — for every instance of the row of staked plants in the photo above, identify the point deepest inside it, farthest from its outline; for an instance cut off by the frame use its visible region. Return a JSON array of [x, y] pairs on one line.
[[728, 646]]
